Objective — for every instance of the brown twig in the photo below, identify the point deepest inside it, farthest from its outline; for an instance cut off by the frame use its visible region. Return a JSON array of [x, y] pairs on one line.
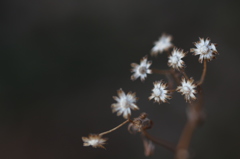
[[163, 72], [172, 90], [160, 142]]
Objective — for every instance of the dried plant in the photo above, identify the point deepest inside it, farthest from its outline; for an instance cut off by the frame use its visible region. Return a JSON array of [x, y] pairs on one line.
[[162, 93]]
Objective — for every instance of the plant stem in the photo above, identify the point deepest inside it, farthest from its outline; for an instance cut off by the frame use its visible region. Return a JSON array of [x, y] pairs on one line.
[[160, 142], [106, 132], [172, 90], [191, 125], [203, 73]]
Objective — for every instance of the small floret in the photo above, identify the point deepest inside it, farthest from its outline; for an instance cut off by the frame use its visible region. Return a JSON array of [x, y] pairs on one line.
[[141, 70], [94, 140], [163, 44], [187, 89], [160, 94], [175, 59], [124, 103], [205, 49]]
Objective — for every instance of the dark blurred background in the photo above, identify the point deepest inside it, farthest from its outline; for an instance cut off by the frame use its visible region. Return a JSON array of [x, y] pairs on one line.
[[63, 60]]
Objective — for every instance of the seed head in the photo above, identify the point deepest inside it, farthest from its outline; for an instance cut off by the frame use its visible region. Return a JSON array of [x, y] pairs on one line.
[[124, 103], [94, 140], [160, 94], [187, 89], [140, 123], [163, 44], [205, 49], [175, 59], [141, 70]]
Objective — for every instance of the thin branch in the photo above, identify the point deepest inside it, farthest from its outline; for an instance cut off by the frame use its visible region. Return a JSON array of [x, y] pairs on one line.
[[203, 73], [163, 72], [174, 75], [160, 142], [172, 90], [106, 132]]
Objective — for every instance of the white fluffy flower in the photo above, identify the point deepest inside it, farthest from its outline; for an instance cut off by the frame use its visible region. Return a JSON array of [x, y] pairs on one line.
[[187, 89], [205, 49], [175, 59], [160, 94], [125, 102], [94, 141], [141, 70], [163, 44]]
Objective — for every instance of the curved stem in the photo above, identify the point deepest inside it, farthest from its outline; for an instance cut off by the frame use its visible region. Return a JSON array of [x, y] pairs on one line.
[[184, 74], [203, 73], [106, 132], [186, 136], [191, 125], [160, 142]]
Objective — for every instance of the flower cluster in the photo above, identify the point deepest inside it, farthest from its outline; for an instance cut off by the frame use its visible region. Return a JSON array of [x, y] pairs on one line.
[[125, 103]]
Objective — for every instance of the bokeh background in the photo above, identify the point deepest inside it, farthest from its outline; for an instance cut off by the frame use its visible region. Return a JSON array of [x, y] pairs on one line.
[[63, 60]]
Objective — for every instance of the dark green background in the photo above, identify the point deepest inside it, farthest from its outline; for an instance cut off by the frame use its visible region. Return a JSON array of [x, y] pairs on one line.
[[63, 60]]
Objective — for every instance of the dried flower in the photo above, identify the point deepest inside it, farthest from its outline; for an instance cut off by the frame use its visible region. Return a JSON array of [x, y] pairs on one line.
[[125, 103], [187, 89], [163, 44], [160, 94], [141, 70], [205, 49], [175, 59], [139, 123], [94, 140]]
